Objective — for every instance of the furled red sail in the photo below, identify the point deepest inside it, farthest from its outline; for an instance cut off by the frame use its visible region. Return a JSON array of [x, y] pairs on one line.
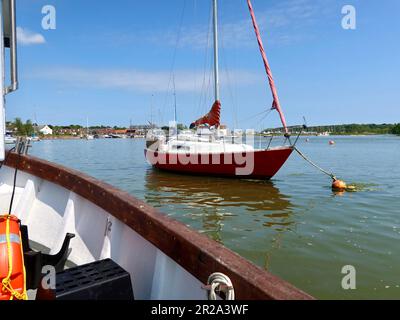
[[212, 118], [275, 104]]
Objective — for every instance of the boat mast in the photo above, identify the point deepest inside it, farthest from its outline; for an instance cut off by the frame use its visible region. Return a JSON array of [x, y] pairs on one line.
[[175, 114], [216, 68]]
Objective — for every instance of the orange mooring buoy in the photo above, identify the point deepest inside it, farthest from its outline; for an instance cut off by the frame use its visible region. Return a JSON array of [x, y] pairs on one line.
[[339, 185]]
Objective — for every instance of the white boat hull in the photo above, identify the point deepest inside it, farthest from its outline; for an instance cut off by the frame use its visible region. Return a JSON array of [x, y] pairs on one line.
[[51, 211]]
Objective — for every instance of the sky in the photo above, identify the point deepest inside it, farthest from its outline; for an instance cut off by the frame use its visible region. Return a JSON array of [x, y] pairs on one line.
[[116, 63]]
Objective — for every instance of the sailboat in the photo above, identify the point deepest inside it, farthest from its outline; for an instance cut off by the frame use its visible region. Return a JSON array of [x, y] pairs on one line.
[[88, 135], [115, 246], [9, 139], [206, 152]]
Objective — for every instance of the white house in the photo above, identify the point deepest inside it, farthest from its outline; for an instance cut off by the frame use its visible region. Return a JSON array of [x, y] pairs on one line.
[[45, 130]]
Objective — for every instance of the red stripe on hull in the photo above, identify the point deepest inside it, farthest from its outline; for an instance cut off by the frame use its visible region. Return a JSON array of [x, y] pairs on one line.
[[260, 164]]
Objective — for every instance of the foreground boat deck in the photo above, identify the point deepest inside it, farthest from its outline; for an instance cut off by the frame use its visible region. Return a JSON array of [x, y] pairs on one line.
[[166, 259]]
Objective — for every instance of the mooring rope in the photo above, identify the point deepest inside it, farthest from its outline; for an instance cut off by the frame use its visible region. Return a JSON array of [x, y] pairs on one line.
[[222, 283], [314, 165]]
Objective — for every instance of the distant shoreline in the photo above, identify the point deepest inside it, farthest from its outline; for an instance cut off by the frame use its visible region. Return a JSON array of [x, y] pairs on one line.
[[331, 135], [60, 138], [257, 134]]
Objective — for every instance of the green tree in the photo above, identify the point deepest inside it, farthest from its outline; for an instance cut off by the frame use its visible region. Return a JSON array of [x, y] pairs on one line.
[[19, 125], [23, 129], [396, 129], [28, 127], [181, 126]]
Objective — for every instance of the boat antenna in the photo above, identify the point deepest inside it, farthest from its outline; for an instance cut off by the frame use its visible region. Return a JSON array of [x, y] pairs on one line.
[[216, 67], [151, 109]]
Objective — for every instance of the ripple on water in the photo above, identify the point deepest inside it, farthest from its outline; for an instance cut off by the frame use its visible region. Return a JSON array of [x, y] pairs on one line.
[[293, 225]]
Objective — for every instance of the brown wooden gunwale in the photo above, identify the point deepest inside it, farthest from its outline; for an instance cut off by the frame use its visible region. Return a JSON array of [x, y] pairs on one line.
[[195, 252]]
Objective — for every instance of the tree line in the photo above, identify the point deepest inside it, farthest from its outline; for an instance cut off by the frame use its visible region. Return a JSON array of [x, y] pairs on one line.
[[351, 129], [28, 128], [396, 129], [356, 128], [21, 128]]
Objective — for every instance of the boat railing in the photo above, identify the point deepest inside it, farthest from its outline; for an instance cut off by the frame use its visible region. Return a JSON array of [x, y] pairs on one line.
[[270, 142], [232, 139]]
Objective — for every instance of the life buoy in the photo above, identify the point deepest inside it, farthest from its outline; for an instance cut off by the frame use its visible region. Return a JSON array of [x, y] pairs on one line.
[[12, 270]]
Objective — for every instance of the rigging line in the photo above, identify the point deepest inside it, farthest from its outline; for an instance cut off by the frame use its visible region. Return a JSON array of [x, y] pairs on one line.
[[263, 118], [14, 184], [207, 93], [256, 115], [196, 80], [178, 37], [206, 56], [235, 81], [228, 77], [232, 92], [259, 123], [314, 165]]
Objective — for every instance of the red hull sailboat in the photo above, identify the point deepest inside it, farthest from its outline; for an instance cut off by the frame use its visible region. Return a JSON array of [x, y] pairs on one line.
[[266, 164], [206, 152]]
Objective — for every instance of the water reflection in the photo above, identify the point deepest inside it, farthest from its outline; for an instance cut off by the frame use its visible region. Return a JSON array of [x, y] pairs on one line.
[[220, 205], [361, 228]]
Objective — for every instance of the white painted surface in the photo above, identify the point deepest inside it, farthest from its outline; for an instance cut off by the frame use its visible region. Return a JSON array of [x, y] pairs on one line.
[[46, 130], [51, 211]]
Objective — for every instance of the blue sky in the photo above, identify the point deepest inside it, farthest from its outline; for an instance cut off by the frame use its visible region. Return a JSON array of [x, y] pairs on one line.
[[114, 63]]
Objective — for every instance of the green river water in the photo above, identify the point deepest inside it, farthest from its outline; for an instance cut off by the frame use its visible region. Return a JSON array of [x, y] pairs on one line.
[[294, 225]]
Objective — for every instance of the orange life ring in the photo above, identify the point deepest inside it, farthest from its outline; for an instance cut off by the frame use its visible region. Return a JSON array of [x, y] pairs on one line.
[[12, 270]]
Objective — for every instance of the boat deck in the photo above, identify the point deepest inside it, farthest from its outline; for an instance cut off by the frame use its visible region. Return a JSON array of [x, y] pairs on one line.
[[166, 259]]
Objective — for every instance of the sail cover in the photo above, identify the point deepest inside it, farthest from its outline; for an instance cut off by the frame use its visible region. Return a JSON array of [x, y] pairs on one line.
[[275, 104], [212, 118]]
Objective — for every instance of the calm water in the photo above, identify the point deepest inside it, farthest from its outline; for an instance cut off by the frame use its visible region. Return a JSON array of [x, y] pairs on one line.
[[293, 226]]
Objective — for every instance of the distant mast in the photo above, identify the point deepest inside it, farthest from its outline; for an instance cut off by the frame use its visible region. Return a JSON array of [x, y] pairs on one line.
[[216, 67], [175, 113]]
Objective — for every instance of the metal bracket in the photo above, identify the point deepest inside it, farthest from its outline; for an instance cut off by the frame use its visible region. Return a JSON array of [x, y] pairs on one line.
[[107, 230], [22, 145], [36, 260]]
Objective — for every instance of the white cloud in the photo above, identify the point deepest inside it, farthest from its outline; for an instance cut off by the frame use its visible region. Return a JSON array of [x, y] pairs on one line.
[[186, 81], [282, 23], [27, 37]]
